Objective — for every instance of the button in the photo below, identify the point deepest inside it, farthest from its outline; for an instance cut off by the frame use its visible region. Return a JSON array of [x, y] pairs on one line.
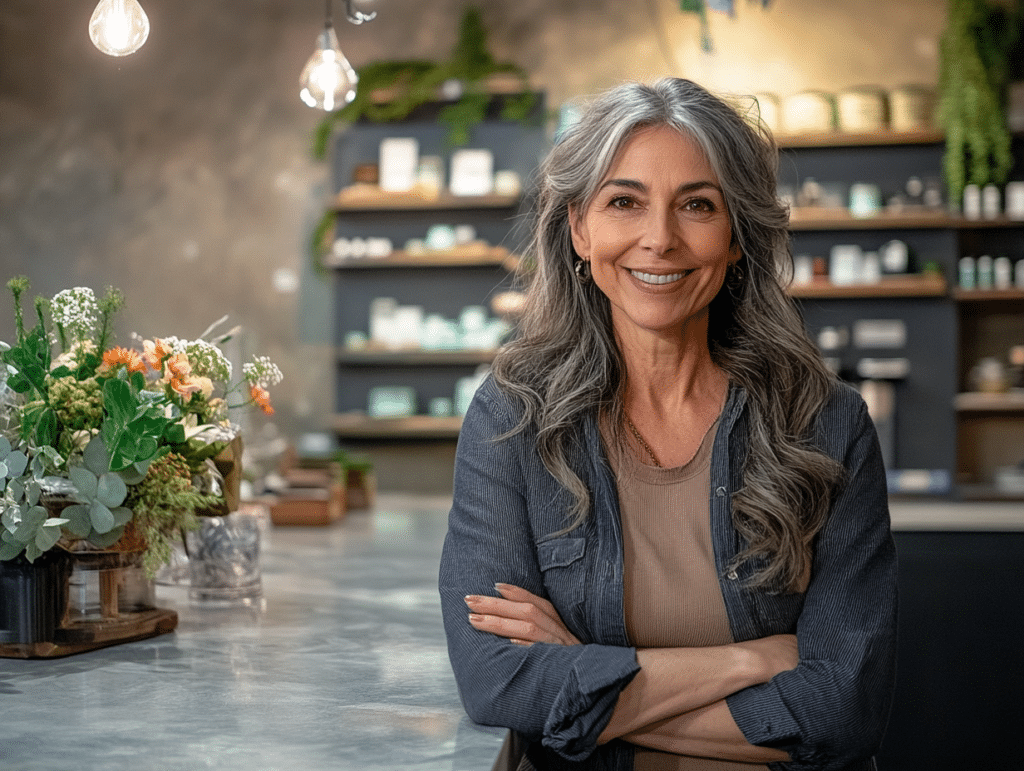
[[732, 575], [719, 492]]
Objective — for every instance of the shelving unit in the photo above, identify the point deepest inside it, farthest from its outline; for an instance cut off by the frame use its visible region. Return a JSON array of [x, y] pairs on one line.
[[417, 452], [940, 422]]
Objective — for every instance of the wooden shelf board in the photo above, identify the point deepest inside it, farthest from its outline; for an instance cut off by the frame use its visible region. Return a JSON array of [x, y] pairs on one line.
[[986, 402], [859, 139], [812, 218], [359, 426], [890, 286], [985, 295], [481, 257], [376, 200], [982, 492], [414, 357]]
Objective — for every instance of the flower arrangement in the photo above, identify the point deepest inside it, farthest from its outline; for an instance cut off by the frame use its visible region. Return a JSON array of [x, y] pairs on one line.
[[122, 440]]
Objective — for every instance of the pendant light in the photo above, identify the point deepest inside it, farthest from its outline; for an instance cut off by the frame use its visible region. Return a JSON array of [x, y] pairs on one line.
[[328, 80], [119, 27]]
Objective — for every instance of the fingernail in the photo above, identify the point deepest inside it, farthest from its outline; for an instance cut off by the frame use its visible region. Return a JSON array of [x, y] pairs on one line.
[[472, 598], [502, 587], [475, 617]]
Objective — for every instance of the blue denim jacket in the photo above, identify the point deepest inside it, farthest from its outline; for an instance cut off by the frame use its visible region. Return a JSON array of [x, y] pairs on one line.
[[508, 511]]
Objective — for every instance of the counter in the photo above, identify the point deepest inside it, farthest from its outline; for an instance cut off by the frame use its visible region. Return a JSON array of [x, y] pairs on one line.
[[345, 667]]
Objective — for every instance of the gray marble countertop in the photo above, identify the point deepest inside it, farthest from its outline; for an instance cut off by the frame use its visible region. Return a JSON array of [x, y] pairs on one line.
[[344, 667]]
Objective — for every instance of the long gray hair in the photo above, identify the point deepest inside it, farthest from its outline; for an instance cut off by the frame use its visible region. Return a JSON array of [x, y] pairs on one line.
[[565, 362]]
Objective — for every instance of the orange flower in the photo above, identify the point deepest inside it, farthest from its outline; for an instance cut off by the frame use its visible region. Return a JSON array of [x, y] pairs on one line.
[[177, 367], [115, 357], [154, 352], [262, 398], [190, 384]]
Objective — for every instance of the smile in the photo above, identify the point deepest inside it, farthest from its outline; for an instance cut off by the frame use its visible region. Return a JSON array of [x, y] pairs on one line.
[[654, 278]]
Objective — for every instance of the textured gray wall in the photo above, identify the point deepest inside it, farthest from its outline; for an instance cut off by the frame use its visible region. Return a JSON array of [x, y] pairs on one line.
[[182, 174]]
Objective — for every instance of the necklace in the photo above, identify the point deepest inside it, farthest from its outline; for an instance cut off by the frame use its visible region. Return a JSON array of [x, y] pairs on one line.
[[640, 439]]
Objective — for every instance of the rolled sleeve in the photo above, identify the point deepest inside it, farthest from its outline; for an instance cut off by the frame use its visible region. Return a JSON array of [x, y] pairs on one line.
[[830, 711], [562, 696]]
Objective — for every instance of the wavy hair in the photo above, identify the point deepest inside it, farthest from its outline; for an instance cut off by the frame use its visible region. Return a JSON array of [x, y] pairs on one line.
[[565, 362]]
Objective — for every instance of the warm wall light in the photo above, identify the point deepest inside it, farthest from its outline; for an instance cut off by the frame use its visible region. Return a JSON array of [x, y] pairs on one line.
[[328, 80], [119, 27]]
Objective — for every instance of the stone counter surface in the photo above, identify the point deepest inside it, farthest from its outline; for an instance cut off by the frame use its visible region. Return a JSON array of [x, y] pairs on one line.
[[344, 668]]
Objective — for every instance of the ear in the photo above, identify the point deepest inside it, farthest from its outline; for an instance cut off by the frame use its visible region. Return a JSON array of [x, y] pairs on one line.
[[735, 255], [580, 236]]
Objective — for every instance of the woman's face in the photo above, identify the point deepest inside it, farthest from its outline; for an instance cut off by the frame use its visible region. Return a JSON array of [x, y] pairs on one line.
[[657, 234]]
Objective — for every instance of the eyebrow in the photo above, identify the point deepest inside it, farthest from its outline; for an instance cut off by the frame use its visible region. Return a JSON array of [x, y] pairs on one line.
[[640, 187]]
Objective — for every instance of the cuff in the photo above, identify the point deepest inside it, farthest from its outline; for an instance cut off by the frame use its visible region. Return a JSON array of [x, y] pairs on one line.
[[584, 704]]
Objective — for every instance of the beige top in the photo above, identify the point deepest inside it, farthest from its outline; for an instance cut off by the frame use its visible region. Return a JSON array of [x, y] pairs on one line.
[[671, 593]]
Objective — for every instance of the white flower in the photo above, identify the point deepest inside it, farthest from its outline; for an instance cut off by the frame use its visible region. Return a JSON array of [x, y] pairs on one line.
[[76, 312], [208, 360], [262, 372]]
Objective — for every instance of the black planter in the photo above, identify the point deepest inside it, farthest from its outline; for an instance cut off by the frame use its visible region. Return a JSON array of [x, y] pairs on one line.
[[33, 598]]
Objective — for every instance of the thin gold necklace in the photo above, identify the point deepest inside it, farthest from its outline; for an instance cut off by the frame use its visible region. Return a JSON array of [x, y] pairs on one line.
[[640, 439]]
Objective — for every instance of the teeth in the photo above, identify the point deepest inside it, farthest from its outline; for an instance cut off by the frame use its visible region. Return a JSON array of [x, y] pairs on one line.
[[651, 278]]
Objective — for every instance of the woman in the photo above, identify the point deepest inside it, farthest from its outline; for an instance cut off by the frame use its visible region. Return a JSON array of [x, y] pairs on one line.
[[669, 545]]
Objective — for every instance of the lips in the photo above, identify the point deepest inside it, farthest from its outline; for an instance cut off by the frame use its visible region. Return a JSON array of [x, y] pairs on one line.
[[658, 278]]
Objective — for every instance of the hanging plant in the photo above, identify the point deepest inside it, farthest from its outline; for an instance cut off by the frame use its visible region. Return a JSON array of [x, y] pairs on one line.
[[974, 64], [405, 85]]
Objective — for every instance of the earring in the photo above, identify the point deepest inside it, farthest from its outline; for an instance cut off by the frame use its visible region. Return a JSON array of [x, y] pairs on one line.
[[582, 268], [734, 276]]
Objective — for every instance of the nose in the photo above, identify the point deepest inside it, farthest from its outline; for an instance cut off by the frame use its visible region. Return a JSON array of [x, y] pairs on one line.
[[660, 231]]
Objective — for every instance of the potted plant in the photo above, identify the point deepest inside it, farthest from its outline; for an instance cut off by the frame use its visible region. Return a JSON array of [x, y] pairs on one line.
[[111, 453], [974, 68]]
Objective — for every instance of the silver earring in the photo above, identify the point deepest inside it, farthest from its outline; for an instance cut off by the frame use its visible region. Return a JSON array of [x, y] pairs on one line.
[[582, 268]]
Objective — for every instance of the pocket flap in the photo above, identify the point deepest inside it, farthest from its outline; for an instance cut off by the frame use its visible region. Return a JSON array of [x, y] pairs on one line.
[[560, 552]]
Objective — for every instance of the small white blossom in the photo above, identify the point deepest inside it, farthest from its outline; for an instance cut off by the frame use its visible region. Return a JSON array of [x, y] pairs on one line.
[[76, 312], [262, 372], [208, 360]]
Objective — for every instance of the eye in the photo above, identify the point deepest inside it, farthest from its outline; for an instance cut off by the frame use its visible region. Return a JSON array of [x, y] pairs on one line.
[[622, 202], [700, 205]]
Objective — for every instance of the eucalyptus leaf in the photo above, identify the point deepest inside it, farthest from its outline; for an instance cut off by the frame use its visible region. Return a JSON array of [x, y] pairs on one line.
[[16, 462], [17, 489], [32, 551], [84, 480], [135, 473], [3, 472], [77, 516], [10, 549], [5, 446], [95, 456], [111, 490], [101, 518], [122, 515], [103, 540], [47, 538]]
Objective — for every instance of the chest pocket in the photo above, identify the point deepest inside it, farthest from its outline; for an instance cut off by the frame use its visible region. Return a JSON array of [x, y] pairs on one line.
[[564, 570]]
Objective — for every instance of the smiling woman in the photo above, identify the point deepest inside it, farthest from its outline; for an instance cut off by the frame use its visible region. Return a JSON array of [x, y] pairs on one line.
[[669, 544]]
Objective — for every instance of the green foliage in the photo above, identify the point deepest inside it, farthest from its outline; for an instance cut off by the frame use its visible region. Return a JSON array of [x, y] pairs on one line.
[[412, 83], [974, 64], [25, 526], [137, 423], [98, 516]]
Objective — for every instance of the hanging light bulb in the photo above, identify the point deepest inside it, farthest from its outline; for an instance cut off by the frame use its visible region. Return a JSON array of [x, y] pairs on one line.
[[328, 80], [119, 27]]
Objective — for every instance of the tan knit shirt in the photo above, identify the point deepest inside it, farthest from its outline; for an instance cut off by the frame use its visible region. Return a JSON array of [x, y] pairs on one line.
[[671, 592]]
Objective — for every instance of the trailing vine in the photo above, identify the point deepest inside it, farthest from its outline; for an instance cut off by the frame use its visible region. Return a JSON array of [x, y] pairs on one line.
[[975, 64], [412, 83]]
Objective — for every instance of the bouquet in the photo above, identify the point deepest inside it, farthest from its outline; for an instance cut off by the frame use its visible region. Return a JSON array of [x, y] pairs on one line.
[[111, 448]]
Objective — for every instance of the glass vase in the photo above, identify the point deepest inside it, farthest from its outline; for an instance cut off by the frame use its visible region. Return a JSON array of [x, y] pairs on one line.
[[224, 559]]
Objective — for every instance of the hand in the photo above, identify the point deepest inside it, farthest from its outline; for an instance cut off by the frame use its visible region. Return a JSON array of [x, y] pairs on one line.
[[519, 616]]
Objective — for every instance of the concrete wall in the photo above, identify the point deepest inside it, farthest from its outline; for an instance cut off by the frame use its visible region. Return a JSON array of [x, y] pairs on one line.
[[182, 174]]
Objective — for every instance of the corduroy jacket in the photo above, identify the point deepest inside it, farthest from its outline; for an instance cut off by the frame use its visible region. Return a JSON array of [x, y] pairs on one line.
[[506, 525]]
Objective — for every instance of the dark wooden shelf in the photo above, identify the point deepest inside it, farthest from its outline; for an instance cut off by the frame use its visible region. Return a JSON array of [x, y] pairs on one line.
[[859, 139], [973, 401], [415, 358], [469, 258], [890, 286], [987, 295], [359, 426], [380, 201], [811, 218]]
